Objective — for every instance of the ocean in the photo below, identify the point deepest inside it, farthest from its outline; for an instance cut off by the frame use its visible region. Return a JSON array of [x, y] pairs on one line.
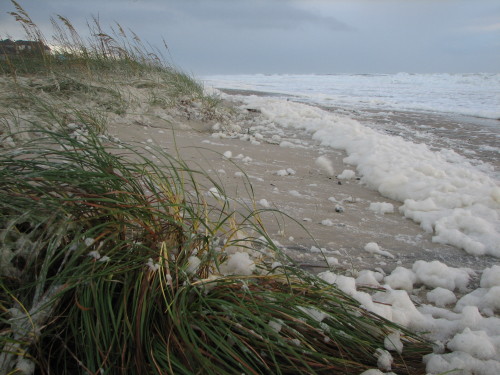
[[476, 95], [430, 141]]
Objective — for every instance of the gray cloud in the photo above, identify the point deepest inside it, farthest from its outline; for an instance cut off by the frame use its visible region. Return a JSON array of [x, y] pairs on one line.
[[300, 36], [260, 14]]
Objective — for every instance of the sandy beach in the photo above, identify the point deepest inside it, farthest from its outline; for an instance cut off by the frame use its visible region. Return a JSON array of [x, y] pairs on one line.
[[331, 214], [296, 199], [325, 209]]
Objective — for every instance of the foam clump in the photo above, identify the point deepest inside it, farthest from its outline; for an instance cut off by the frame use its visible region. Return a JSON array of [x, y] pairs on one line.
[[393, 342], [314, 313], [486, 299], [347, 174], [480, 236], [381, 208], [264, 203], [327, 223], [384, 359], [463, 362], [476, 343], [367, 277], [193, 265], [238, 263], [285, 172], [325, 164], [441, 297], [286, 144], [401, 308], [436, 274], [276, 325], [491, 277], [213, 191], [401, 278], [332, 261], [374, 248], [344, 283]]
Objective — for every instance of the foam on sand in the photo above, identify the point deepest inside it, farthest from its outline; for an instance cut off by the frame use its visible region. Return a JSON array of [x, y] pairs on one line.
[[381, 207], [464, 340], [374, 248], [441, 190], [325, 164], [347, 174]]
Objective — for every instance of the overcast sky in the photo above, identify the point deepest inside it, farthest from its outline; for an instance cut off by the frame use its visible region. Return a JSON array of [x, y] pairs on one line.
[[297, 36]]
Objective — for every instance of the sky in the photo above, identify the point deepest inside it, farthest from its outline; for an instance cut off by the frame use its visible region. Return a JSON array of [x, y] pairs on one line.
[[296, 36]]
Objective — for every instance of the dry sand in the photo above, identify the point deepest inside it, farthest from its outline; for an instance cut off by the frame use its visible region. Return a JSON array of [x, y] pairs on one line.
[[351, 229]]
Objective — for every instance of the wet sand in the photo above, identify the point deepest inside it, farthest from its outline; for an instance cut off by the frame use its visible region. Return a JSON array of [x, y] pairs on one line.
[[307, 194]]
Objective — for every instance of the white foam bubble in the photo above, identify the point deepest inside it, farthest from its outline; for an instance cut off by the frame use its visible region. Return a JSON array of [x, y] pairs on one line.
[[381, 207], [347, 174], [436, 274]]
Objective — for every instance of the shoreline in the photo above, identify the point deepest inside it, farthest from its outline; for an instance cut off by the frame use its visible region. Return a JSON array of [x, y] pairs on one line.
[[308, 194], [470, 136]]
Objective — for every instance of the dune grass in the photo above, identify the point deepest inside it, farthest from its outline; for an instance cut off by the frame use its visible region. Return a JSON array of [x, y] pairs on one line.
[[112, 263], [103, 65], [116, 263]]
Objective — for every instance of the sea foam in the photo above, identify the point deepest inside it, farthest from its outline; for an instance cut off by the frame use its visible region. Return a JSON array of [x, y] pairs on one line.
[[441, 190]]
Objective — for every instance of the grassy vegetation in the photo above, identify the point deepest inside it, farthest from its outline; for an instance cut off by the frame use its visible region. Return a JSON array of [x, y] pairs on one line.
[[100, 262], [111, 263], [110, 71]]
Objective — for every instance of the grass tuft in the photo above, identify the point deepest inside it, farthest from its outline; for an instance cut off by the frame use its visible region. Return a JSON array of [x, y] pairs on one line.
[[119, 265], [111, 263]]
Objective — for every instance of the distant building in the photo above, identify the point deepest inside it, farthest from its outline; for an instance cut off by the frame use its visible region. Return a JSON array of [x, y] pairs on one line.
[[22, 47]]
